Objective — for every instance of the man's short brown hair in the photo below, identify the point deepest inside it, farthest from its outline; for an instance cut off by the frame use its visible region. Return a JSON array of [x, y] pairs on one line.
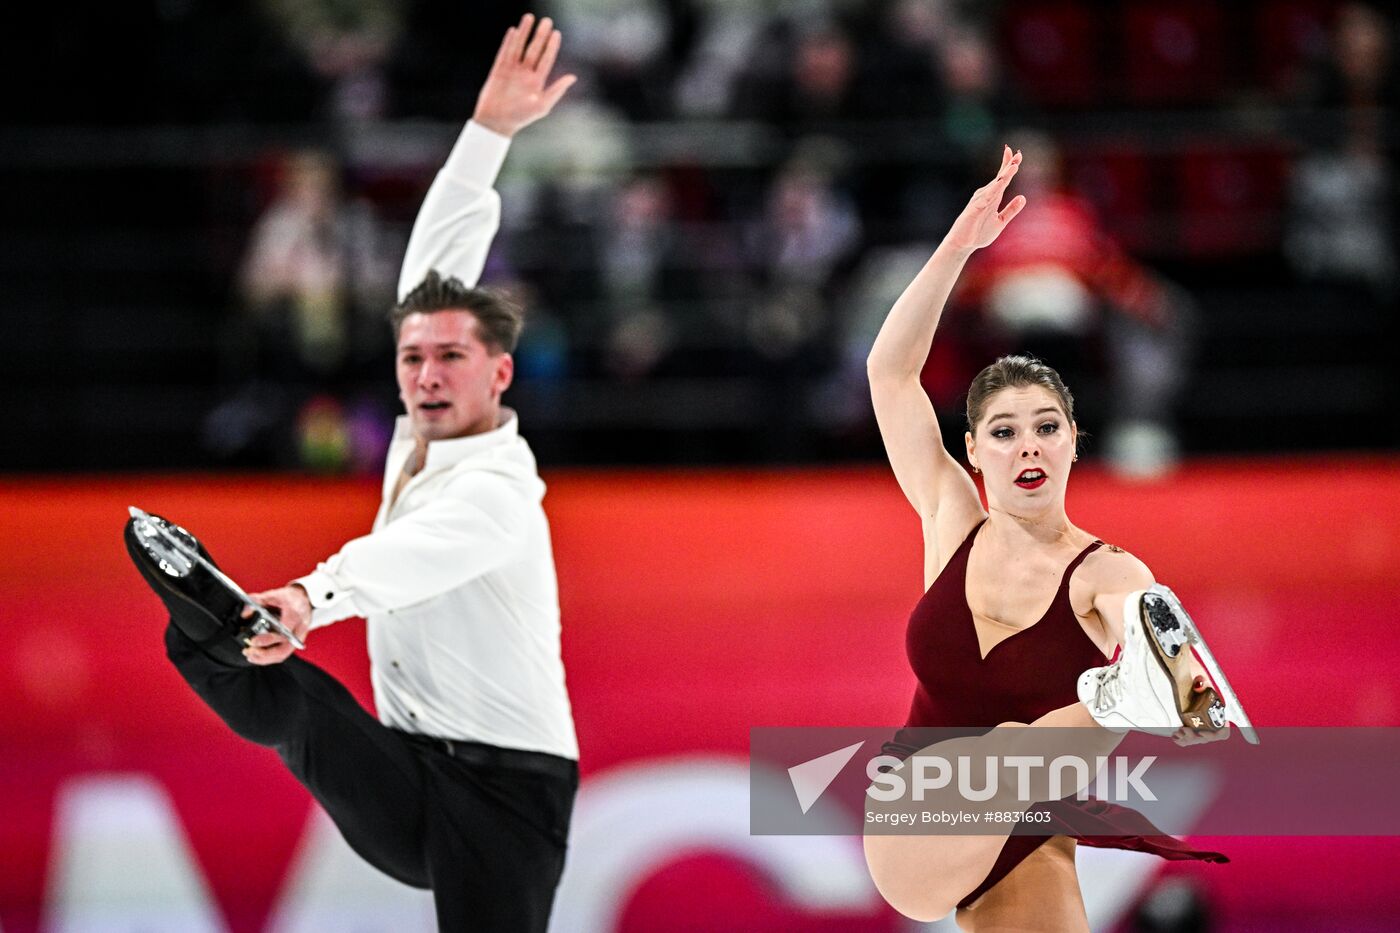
[[499, 319]]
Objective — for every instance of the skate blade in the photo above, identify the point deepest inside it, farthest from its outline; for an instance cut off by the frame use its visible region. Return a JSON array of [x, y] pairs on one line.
[[1181, 632]]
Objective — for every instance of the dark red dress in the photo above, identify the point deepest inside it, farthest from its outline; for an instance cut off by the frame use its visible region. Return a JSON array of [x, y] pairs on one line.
[[1023, 677]]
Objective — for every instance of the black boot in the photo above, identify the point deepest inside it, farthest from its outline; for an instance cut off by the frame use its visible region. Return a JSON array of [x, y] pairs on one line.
[[200, 605]]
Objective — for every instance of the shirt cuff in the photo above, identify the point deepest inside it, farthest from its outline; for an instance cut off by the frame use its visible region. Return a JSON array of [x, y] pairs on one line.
[[329, 601], [477, 156]]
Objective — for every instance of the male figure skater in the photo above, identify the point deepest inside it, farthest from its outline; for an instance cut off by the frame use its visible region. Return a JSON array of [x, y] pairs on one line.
[[466, 782]]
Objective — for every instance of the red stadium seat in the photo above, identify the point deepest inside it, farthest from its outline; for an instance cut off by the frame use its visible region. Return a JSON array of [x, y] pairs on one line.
[[1231, 200], [1289, 36], [1173, 53], [1054, 52], [1117, 182]]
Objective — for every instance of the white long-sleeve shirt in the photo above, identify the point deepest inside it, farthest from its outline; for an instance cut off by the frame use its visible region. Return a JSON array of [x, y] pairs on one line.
[[456, 580]]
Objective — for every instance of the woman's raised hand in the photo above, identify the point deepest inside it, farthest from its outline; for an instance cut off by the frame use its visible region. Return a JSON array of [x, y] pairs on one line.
[[980, 223]]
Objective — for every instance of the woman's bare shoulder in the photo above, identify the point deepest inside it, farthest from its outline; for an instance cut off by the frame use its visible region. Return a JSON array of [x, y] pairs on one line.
[[1111, 569]]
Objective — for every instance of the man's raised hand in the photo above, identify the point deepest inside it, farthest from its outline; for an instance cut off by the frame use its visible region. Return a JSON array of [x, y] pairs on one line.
[[515, 93]]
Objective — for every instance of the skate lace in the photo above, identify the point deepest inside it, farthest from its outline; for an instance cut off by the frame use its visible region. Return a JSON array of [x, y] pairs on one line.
[[1109, 689]]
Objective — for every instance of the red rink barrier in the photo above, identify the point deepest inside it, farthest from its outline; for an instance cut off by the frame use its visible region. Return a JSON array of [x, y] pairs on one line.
[[696, 605]]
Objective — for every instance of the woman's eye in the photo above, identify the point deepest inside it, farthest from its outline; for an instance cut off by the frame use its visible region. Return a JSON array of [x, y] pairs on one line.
[[1049, 427], [1002, 432], [410, 360]]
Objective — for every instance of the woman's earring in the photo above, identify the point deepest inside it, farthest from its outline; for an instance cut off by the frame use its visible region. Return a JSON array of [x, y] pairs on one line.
[[974, 468]]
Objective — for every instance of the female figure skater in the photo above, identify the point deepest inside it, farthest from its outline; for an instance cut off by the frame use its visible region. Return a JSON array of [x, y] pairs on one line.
[[1022, 611]]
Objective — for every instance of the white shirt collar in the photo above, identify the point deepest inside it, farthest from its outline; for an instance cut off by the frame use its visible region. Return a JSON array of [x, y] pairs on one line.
[[455, 449]]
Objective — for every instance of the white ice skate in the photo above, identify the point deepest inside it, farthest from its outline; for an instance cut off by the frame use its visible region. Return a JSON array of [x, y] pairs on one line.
[[1149, 687]]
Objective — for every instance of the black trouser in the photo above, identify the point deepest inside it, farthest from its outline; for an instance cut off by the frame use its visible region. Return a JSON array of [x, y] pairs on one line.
[[485, 828]]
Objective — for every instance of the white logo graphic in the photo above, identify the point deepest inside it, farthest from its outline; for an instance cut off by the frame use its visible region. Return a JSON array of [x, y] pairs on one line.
[[811, 778]]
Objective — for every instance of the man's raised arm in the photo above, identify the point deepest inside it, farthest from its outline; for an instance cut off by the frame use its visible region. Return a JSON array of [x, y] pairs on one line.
[[462, 211]]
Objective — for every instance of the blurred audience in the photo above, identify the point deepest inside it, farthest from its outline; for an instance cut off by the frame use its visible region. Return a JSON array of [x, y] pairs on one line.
[[1342, 213], [804, 78], [316, 277], [852, 132], [1055, 280], [348, 44], [809, 225], [317, 264]]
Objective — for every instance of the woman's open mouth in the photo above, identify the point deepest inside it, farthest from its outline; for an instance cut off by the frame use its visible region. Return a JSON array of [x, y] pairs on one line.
[[1030, 479]]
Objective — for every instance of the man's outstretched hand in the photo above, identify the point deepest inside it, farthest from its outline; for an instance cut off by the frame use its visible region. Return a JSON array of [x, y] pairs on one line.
[[294, 610], [515, 94]]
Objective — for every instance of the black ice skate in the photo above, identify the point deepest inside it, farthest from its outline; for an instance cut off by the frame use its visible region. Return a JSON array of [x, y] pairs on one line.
[[203, 602]]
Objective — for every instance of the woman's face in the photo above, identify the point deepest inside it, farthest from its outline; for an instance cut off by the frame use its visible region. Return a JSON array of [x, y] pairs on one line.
[[1024, 446]]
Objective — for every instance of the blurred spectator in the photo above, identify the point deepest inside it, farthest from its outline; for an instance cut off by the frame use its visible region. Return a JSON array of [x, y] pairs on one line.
[[348, 44], [640, 264], [979, 98], [806, 77], [639, 242], [809, 225], [1056, 278], [322, 434], [634, 50], [314, 260], [1342, 206], [315, 281], [927, 66], [726, 33], [800, 249], [542, 358], [898, 67], [639, 343]]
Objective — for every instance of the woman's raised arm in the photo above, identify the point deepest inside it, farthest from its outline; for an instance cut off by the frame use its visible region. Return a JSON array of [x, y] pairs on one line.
[[935, 484]]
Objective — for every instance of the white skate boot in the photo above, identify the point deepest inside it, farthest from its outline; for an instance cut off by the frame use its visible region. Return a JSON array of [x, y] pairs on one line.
[[1149, 687]]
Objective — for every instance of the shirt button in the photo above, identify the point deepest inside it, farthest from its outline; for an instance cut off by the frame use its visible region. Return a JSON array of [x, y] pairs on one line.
[[330, 595], [395, 663], [412, 715]]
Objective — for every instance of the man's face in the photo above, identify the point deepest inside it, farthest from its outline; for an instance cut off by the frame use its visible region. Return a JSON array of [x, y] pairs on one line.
[[449, 381]]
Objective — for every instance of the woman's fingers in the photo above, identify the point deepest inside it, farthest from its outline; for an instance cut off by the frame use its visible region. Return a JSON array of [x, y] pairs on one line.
[[1008, 170], [1012, 209], [991, 192]]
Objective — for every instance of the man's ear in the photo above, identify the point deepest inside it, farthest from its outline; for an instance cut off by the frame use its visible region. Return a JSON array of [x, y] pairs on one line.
[[504, 375]]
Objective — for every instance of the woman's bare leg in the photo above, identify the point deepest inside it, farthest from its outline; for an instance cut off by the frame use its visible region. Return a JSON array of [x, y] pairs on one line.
[[924, 877], [1041, 893]]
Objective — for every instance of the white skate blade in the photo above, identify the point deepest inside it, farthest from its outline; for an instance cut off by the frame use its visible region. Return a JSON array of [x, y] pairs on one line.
[[1234, 709]]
